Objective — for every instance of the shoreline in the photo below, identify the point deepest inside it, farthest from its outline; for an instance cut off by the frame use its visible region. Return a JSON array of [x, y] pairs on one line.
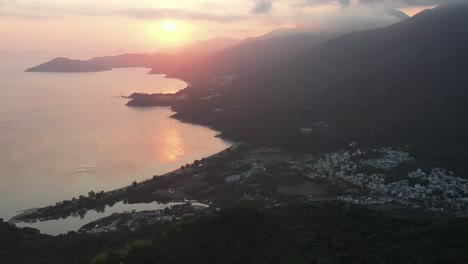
[[23, 214], [169, 173], [15, 219]]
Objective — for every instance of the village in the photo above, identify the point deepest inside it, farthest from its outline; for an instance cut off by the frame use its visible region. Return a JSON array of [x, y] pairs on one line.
[[373, 177], [434, 191]]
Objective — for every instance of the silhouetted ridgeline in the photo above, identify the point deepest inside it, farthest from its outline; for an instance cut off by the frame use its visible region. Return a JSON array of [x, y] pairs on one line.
[[251, 56], [68, 65], [400, 85], [163, 63]]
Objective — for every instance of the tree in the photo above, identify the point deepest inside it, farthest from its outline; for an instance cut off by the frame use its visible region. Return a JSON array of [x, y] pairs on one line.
[[101, 208], [100, 195], [134, 184], [212, 178]]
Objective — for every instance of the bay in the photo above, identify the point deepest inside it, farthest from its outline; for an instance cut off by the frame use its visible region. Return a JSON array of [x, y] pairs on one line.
[[65, 134]]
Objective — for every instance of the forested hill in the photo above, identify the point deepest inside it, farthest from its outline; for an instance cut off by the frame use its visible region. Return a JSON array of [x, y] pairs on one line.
[[404, 84], [252, 56], [301, 233]]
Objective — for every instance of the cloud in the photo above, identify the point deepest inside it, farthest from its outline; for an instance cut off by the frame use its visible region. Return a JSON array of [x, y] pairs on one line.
[[343, 15], [53, 10], [349, 14], [159, 13], [42, 11], [380, 3], [262, 7], [285, 12]]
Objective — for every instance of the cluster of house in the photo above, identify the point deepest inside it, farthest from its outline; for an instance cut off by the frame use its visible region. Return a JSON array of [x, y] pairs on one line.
[[256, 168], [134, 220], [441, 190], [436, 191], [138, 219], [129, 221], [390, 159]]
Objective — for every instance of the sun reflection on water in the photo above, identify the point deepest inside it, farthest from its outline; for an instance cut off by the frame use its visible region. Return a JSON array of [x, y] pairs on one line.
[[169, 145]]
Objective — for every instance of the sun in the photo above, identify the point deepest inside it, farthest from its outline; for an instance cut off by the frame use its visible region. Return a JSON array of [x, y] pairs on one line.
[[169, 32], [169, 26]]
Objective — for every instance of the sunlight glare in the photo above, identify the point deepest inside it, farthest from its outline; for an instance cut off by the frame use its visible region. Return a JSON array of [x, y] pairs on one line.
[[169, 26], [169, 33]]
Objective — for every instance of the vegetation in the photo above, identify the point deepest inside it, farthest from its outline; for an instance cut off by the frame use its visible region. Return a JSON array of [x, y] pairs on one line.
[[319, 232]]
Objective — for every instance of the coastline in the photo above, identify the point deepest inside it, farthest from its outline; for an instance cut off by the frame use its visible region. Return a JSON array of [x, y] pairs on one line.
[[16, 219], [23, 214], [16, 213], [233, 146], [169, 173]]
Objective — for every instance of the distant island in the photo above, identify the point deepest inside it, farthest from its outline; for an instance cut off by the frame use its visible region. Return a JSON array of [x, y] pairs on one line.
[[104, 63], [164, 61], [68, 65]]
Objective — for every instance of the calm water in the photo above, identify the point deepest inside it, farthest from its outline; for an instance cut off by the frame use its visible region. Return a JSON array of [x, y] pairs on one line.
[[63, 226], [62, 135]]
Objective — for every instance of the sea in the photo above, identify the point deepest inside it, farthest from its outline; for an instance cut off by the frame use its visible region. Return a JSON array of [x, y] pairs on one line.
[[65, 134]]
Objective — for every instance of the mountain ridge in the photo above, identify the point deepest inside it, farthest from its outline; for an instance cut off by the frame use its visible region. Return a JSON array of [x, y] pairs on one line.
[[398, 85]]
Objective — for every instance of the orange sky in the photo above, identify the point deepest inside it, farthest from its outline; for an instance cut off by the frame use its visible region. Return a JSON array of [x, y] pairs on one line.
[[411, 11], [109, 27]]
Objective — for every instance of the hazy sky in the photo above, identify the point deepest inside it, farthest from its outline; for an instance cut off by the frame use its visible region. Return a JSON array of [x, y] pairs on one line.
[[113, 26]]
